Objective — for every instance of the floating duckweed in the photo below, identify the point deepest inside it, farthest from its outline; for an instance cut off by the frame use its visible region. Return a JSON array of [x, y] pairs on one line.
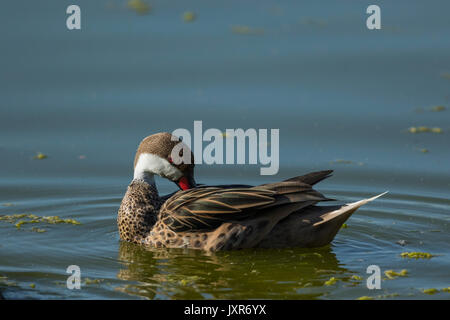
[[92, 281], [416, 255], [436, 130], [57, 220], [438, 108], [389, 295], [446, 289], [40, 156], [355, 277], [430, 291], [5, 282], [32, 285], [189, 16], [184, 282], [344, 226], [391, 274], [12, 218], [246, 30], [8, 204], [330, 282], [342, 161], [424, 150], [445, 75], [20, 219], [20, 223], [365, 298], [140, 6], [425, 129]]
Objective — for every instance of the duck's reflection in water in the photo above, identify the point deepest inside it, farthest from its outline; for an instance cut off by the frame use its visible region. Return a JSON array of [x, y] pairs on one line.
[[244, 274]]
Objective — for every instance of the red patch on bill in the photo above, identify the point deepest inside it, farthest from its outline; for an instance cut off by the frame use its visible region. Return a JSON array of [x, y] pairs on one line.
[[183, 183]]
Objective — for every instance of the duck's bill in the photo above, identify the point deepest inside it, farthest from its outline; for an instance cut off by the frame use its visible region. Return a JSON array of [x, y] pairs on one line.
[[186, 183]]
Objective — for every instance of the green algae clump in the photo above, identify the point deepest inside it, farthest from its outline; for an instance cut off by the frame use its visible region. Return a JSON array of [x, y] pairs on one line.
[[355, 277], [92, 281], [40, 156], [331, 281], [425, 129], [445, 289], [365, 298], [430, 291], [391, 274], [8, 204], [416, 255], [189, 16], [343, 161], [141, 7], [57, 220], [21, 219], [239, 29], [438, 108]]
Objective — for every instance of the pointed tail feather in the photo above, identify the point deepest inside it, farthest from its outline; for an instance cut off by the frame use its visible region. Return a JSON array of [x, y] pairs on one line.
[[347, 209]]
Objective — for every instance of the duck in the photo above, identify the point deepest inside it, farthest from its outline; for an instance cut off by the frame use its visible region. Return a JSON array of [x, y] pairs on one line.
[[283, 214]]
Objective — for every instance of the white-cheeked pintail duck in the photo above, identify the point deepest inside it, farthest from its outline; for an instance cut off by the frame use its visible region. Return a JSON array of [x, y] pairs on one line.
[[214, 218]]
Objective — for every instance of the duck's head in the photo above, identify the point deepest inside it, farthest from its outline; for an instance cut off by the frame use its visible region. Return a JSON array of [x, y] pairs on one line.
[[167, 156]]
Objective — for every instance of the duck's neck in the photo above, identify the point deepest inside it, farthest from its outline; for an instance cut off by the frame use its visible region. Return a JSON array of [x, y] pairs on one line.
[[145, 176], [139, 209]]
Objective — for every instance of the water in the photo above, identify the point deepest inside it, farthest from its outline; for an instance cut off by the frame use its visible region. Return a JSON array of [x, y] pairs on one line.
[[334, 89]]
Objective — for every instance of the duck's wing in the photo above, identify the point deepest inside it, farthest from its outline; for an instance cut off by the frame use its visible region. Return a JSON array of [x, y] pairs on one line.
[[314, 226], [206, 208]]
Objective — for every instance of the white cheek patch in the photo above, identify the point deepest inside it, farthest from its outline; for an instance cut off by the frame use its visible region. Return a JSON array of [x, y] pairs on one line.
[[151, 163]]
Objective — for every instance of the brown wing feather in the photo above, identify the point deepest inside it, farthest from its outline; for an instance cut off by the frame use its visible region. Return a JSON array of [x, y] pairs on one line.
[[206, 208]]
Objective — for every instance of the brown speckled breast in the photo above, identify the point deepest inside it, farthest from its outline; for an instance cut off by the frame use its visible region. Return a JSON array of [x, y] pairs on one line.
[[138, 211]]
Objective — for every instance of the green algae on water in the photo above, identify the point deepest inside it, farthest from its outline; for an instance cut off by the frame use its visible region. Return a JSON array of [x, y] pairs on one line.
[[356, 277], [21, 219], [57, 220], [141, 7], [8, 204], [416, 255], [445, 75], [391, 274], [438, 108], [40, 156], [422, 129], [189, 16], [343, 161], [331, 281], [239, 29], [365, 298], [88, 281], [430, 291]]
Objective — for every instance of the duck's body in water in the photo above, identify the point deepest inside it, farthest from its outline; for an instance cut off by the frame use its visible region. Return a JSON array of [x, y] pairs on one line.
[[282, 214]]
